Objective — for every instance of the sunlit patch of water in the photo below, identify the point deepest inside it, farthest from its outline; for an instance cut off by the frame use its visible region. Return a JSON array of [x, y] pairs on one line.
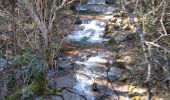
[[90, 72], [92, 32], [96, 1], [85, 77]]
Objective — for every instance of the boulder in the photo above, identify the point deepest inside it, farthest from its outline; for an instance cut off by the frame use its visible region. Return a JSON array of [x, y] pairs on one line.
[[95, 87], [70, 96], [65, 81], [56, 98], [78, 21], [109, 1], [49, 98]]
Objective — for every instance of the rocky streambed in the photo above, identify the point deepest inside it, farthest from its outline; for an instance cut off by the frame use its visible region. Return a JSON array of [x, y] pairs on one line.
[[87, 68]]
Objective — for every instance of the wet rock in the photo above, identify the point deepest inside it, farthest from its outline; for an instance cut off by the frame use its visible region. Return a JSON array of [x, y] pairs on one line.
[[70, 96], [65, 65], [65, 81], [109, 1], [106, 96], [78, 21], [56, 98], [95, 87]]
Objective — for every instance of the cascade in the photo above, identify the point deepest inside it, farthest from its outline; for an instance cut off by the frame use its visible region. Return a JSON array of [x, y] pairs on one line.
[[96, 1], [92, 67], [96, 6]]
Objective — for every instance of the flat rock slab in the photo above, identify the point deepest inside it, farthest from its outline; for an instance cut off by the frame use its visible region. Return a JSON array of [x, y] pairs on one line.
[[49, 98], [66, 81], [71, 96]]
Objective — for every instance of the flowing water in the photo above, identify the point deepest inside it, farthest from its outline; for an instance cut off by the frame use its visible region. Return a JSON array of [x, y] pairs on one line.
[[90, 31], [96, 1], [97, 6], [92, 72]]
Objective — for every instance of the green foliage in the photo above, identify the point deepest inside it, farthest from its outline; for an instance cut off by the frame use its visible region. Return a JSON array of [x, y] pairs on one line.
[[26, 94], [36, 87], [30, 61], [83, 1], [112, 41], [58, 91], [14, 96], [31, 66]]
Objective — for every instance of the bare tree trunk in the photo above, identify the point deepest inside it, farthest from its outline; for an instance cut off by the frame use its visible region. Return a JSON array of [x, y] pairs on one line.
[[146, 52], [33, 15]]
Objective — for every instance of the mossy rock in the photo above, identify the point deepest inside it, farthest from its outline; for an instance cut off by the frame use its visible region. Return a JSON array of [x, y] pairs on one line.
[[83, 1], [117, 57], [112, 41], [120, 65], [58, 91], [36, 87]]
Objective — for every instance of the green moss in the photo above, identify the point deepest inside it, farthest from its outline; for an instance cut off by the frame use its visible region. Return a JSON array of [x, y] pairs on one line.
[[117, 57], [58, 91], [112, 41], [37, 86], [15, 96], [83, 1]]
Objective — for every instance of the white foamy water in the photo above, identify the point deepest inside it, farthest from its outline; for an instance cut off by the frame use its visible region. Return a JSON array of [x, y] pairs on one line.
[[87, 77], [92, 32], [2, 64], [96, 1]]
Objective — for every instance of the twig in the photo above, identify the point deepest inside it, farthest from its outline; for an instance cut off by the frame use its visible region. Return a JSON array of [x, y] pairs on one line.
[[162, 18], [156, 45], [109, 80]]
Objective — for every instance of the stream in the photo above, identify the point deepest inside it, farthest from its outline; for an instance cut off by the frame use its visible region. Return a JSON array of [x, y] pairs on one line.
[[94, 62], [87, 67]]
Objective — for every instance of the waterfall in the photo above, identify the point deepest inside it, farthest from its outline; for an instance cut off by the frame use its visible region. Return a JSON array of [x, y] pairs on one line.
[[96, 6], [96, 1], [80, 7], [92, 32]]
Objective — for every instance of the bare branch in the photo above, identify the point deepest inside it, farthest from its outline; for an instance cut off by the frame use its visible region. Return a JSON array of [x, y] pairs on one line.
[[156, 45], [162, 19], [33, 15]]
